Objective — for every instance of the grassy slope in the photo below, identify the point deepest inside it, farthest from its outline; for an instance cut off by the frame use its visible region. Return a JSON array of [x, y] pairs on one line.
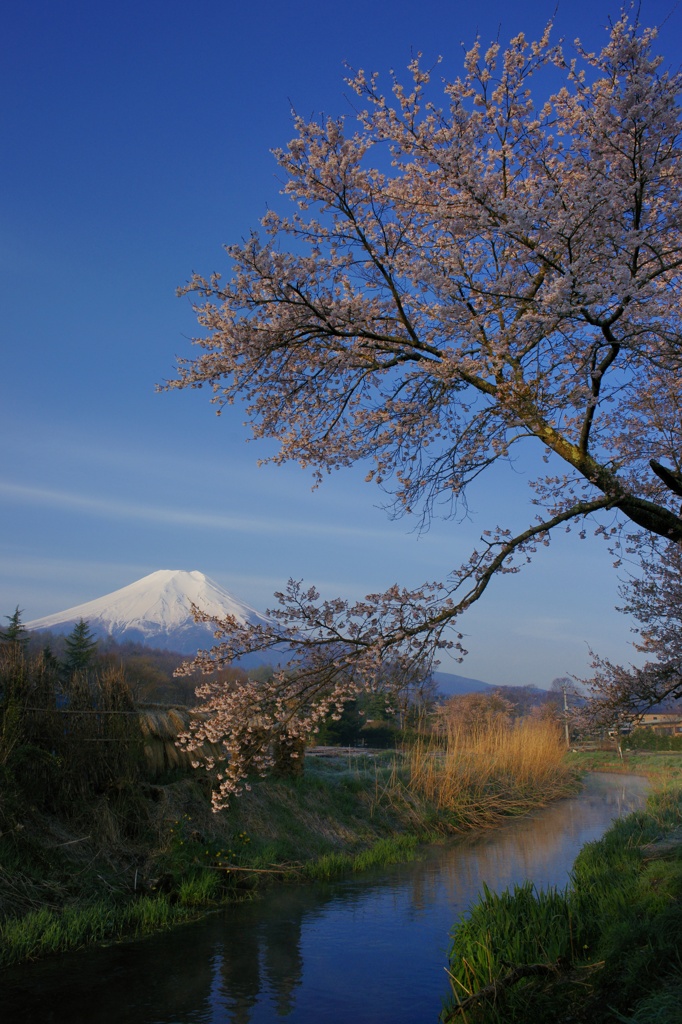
[[136, 860], [66, 884]]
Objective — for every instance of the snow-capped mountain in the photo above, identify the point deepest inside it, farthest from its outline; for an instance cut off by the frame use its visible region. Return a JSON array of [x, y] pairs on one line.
[[155, 611]]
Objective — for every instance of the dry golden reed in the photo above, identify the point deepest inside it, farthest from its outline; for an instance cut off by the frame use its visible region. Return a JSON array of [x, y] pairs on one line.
[[482, 774]]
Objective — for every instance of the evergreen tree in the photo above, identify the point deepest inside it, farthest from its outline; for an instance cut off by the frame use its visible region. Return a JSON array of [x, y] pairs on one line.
[[49, 659], [80, 647], [15, 636]]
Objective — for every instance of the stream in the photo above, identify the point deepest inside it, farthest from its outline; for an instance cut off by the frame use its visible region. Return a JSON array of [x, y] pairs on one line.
[[368, 949]]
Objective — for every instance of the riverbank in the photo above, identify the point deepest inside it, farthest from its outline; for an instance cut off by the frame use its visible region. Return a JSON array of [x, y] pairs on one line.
[[661, 767], [135, 859], [604, 950]]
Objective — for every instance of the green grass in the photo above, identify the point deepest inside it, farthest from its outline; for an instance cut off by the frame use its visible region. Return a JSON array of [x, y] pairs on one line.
[[610, 942], [521, 926], [53, 872], [662, 767], [195, 872], [42, 932], [659, 1007], [395, 850]]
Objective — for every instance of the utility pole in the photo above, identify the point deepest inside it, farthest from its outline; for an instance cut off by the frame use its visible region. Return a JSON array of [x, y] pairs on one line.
[[568, 739]]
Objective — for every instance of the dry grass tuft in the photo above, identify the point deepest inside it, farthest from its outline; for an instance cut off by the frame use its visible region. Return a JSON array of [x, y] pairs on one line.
[[493, 771]]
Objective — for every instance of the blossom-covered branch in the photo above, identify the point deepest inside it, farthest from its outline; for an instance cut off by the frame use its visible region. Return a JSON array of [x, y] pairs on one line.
[[332, 650], [462, 276]]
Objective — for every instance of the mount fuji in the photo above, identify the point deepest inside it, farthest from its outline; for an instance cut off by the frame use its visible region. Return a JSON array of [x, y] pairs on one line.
[[155, 611]]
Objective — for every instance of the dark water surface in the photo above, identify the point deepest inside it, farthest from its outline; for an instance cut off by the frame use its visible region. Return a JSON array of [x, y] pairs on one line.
[[364, 950]]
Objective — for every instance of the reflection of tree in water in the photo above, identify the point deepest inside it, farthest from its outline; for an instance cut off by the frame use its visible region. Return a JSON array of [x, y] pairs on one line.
[[238, 970], [261, 953], [283, 963], [268, 965]]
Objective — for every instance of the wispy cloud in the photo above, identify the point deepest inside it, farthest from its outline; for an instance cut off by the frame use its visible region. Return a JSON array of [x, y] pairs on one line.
[[115, 509], [43, 569]]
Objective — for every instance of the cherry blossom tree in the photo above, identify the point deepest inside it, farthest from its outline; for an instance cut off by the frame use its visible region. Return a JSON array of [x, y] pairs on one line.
[[471, 711], [620, 694], [464, 273]]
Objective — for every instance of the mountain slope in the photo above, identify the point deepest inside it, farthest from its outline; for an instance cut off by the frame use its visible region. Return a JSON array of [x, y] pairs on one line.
[[450, 684], [155, 611]]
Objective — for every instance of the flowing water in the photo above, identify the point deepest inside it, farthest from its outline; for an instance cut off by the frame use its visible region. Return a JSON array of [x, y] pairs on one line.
[[370, 949]]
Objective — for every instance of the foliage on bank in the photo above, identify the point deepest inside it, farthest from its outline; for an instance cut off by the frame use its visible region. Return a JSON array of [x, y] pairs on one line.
[[98, 842], [648, 739], [605, 949]]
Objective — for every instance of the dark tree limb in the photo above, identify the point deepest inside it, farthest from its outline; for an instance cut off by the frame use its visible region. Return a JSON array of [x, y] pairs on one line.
[[671, 479]]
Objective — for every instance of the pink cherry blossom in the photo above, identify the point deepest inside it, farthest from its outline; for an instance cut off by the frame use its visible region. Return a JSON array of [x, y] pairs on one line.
[[469, 269]]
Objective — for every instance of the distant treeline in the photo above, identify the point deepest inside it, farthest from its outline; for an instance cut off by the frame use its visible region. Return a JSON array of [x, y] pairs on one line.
[[149, 671]]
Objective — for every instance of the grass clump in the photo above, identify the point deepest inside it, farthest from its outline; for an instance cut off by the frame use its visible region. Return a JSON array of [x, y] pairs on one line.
[[43, 932], [393, 850], [476, 777], [605, 949]]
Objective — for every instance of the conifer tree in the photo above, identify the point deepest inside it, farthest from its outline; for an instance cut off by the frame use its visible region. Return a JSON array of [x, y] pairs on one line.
[[80, 647], [15, 636]]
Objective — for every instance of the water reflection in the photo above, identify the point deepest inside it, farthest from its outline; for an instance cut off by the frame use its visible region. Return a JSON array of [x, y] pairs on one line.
[[369, 949]]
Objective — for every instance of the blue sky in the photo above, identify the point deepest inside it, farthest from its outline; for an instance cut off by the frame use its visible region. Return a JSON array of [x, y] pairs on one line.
[[137, 143]]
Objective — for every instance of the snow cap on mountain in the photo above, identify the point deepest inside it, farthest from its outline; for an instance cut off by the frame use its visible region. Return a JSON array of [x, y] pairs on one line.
[[155, 610]]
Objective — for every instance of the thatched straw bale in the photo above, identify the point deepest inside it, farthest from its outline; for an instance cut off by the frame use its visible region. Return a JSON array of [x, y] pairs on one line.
[[160, 728]]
